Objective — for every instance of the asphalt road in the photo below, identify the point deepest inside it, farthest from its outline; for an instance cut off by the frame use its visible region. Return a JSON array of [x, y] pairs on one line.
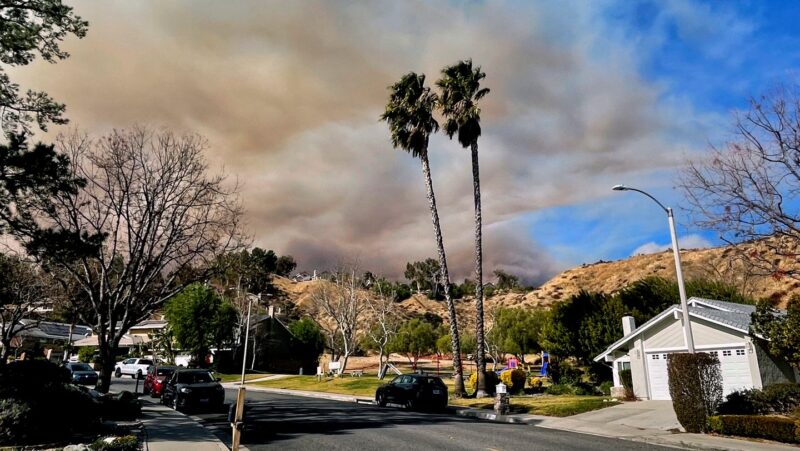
[[297, 423]]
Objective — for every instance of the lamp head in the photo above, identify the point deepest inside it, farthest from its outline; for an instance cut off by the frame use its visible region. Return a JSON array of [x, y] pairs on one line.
[[620, 188]]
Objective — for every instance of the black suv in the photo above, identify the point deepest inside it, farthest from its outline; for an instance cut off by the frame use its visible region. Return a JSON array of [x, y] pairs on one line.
[[190, 389], [413, 391]]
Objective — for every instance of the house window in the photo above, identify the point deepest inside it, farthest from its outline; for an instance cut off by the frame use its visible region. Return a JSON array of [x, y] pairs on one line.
[[726, 353], [656, 356], [623, 366], [740, 352]]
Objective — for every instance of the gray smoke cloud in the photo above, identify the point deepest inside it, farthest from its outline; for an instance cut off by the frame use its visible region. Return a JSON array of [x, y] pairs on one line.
[[289, 94]]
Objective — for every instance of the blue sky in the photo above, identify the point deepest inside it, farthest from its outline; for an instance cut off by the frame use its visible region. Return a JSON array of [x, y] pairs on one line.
[[708, 56]]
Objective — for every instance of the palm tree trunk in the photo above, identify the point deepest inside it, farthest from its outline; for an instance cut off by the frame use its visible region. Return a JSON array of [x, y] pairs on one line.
[[458, 371], [480, 358]]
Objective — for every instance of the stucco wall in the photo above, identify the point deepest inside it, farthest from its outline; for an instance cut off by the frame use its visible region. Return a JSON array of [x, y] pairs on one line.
[[668, 334], [773, 371], [638, 374]]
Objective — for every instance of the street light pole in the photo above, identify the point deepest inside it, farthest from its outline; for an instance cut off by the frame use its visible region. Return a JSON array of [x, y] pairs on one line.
[[687, 328], [237, 425]]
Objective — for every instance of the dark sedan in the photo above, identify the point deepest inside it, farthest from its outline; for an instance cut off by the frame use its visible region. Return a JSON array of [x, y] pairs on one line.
[[82, 373], [413, 391], [191, 389]]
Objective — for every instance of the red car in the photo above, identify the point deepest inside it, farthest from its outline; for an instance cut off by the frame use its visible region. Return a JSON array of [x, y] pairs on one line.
[[154, 382]]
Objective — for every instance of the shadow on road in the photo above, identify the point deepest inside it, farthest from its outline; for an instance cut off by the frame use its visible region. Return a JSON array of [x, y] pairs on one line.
[[285, 417]]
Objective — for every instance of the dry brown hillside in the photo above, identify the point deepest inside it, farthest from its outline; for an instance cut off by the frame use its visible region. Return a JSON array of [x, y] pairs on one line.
[[715, 263]]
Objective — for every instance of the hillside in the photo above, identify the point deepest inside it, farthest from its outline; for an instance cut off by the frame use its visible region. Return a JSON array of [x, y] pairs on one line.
[[714, 263]]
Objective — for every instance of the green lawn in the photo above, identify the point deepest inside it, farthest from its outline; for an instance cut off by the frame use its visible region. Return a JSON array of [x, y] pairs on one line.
[[238, 377], [346, 385], [548, 405]]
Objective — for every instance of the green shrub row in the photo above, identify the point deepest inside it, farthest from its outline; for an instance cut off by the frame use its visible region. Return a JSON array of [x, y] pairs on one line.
[[776, 428], [776, 398]]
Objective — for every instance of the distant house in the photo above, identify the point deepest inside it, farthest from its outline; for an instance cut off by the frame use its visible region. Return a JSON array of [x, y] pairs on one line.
[[148, 327], [273, 348], [40, 336], [302, 277], [718, 327]]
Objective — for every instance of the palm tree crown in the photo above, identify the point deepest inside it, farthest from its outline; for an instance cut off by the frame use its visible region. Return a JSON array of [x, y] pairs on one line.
[[461, 90], [409, 114]]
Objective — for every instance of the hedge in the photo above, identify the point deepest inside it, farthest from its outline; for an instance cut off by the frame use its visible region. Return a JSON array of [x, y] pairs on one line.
[[491, 381], [772, 399], [776, 428], [695, 385], [513, 379]]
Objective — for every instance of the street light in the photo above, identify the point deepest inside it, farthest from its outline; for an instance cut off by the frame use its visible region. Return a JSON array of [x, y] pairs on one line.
[[239, 412], [687, 328]]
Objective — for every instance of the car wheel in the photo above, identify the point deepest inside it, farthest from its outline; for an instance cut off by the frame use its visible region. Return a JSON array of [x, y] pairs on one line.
[[380, 400], [176, 404], [118, 373]]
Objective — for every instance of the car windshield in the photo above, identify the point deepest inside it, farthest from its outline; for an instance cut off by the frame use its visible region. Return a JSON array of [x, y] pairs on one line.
[[80, 367], [165, 371], [195, 378]]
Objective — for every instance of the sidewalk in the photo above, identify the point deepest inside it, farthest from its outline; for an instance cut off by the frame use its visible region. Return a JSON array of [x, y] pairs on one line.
[[168, 430]]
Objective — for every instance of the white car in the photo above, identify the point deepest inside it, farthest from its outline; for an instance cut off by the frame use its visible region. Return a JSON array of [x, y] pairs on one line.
[[132, 367]]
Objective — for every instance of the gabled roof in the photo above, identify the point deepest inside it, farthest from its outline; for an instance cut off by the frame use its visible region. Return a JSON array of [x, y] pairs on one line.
[[727, 314]]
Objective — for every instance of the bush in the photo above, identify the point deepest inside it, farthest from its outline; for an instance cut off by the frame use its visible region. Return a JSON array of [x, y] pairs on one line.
[[776, 398], [491, 381], [123, 406], [605, 387], [695, 384], [39, 404], [535, 382], [781, 429], [564, 373], [514, 380], [86, 354], [626, 377], [560, 389], [124, 443]]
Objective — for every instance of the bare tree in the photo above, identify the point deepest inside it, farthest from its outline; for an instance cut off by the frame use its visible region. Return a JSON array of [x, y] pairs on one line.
[[341, 304], [385, 323], [163, 217], [23, 287]]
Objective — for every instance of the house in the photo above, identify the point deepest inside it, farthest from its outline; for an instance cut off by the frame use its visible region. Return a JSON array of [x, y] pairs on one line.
[[718, 327], [40, 337], [275, 349], [148, 327]]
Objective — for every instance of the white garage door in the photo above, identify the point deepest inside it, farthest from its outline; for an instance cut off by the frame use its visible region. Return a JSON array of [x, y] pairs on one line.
[[659, 383], [734, 366]]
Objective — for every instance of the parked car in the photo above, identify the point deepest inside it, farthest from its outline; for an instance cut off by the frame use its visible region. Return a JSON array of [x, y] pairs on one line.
[[82, 373], [154, 381], [413, 391], [135, 368], [189, 389]]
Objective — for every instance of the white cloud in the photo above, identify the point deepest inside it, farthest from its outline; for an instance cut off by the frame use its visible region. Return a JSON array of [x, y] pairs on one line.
[[693, 241]]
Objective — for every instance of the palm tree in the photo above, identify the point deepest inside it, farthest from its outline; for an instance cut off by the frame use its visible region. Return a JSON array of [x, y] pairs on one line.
[[461, 89], [409, 114]]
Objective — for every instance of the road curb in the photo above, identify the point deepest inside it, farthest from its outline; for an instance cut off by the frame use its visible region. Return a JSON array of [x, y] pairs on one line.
[[484, 414]]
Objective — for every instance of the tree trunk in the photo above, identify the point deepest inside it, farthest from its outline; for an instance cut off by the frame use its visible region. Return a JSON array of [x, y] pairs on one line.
[[480, 359], [6, 344], [458, 371], [107, 361]]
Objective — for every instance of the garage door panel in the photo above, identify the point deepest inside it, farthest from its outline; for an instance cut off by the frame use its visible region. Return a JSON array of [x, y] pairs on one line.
[[734, 366]]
